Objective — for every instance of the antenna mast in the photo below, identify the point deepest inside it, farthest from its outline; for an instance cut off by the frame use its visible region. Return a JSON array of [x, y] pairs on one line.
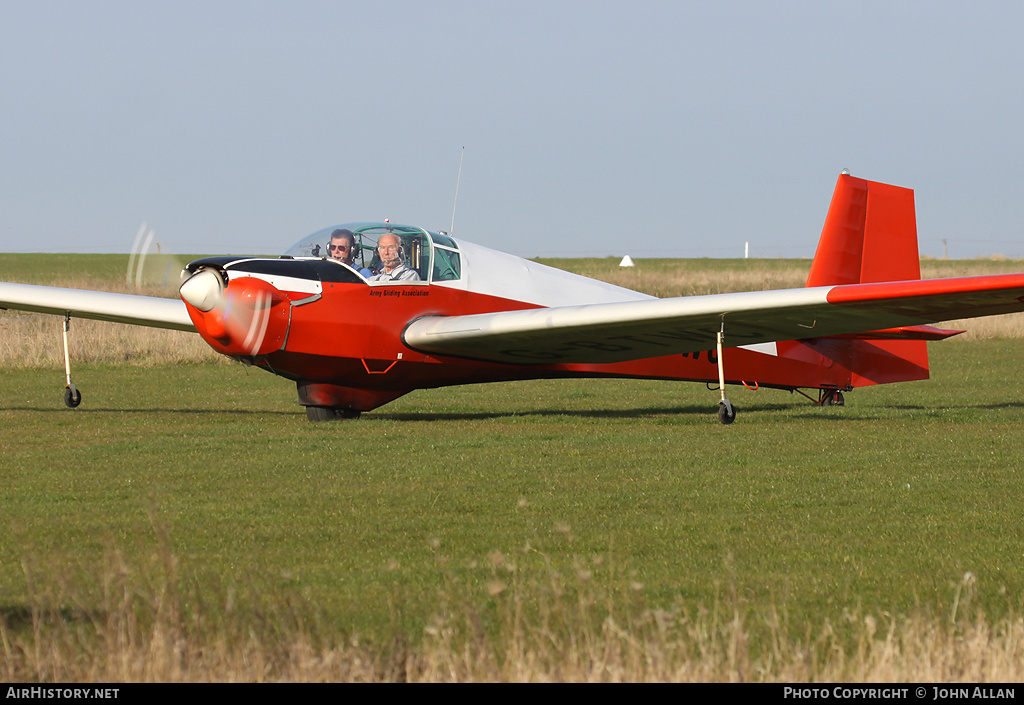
[[457, 181]]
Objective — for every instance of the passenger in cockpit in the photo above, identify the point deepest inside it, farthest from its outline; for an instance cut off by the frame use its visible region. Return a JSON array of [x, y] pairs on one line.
[[343, 248], [389, 248]]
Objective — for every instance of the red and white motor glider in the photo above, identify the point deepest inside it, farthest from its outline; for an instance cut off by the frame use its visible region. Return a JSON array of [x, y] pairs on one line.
[[351, 343]]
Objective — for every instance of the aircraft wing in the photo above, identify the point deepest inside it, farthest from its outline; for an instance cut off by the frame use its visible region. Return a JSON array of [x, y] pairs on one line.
[[632, 330], [104, 306]]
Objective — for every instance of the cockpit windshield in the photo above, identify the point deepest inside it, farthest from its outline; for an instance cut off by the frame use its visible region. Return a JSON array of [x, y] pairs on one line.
[[431, 256]]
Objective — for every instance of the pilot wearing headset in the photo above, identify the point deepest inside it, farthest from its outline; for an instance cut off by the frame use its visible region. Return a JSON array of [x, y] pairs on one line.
[[389, 248], [342, 247]]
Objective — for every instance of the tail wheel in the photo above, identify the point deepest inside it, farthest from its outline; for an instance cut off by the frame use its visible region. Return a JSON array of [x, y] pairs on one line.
[[832, 397]]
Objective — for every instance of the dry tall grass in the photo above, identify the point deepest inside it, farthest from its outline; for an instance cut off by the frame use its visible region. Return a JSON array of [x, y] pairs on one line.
[[34, 340], [151, 625], [700, 282], [30, 340]]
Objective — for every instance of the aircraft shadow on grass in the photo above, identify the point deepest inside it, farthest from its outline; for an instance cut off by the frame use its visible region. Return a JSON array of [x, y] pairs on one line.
[[184, 410], [793, 410], [797, 410], [933, 411], [430, 415], [578, 413]]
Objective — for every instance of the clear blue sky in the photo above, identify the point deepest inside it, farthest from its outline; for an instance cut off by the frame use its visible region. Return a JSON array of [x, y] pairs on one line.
[[590, 128]]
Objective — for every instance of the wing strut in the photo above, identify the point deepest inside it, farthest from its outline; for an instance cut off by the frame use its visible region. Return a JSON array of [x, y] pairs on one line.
[[726, 411], [72, 397]]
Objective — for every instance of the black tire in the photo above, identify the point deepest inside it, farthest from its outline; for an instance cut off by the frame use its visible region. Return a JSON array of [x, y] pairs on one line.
[[330, 413], [319, 413], [72, 398], [726, 412], [833, 398]]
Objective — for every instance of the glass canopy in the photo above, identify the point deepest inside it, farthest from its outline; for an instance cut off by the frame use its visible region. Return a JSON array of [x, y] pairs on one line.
[[434, 256]]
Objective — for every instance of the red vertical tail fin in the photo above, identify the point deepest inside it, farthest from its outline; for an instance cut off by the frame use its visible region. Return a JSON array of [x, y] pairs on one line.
[[870, 235]]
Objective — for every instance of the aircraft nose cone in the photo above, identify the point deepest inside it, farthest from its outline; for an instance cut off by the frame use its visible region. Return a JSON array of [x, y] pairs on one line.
[[202, 290]]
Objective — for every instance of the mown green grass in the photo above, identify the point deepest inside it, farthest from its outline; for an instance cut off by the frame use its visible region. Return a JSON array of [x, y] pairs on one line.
[[885, 504], [159, 276], [50, 268], [626, 488]]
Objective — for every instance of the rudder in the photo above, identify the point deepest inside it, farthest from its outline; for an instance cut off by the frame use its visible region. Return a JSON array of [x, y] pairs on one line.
[[870, 235]]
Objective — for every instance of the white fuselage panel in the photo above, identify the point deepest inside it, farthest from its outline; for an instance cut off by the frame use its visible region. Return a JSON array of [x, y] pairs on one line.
[[493, 273]]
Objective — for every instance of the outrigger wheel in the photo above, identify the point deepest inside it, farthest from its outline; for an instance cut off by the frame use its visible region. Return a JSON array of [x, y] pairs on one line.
[[330, 413], [72, 397], [726, 412]]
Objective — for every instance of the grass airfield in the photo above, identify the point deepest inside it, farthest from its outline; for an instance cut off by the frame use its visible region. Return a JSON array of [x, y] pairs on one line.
[[467, 508]]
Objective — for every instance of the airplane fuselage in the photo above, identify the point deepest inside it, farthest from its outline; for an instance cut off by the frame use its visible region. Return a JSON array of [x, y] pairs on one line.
[[341, 338]]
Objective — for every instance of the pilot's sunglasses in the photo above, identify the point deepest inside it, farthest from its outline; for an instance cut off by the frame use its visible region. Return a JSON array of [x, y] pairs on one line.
[[339, 247]]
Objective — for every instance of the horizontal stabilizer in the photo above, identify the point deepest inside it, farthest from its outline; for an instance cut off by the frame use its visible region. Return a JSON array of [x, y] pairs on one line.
[[904, 333]]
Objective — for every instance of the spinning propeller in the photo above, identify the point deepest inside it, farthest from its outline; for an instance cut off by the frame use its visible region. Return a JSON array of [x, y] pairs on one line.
[[149, 264], [242, 316]]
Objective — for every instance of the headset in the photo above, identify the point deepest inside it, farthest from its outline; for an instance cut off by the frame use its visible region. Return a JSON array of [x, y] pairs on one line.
[[338, 234], [378, 264]]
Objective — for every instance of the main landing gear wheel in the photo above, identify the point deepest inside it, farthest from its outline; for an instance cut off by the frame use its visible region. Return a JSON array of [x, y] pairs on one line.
[[330, 413], [72, 397], [319, 413], [726, 412]]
